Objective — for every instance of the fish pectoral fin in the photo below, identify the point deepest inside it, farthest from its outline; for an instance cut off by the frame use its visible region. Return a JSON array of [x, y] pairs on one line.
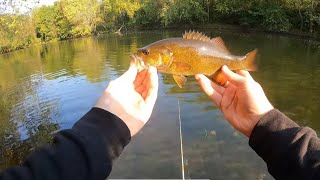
[[166, 57], [162, 67], [180, 80], [218, 78]]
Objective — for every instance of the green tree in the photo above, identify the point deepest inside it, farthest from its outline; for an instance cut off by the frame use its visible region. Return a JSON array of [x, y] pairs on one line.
[[77, 18], [268, 16], [45, 22], [119, 12], [231, 6], [207, 6], [183, 11], [300, 6], [150, 13], [61, 22], [16, 32], [82, 15], [313, 16], [16, 27]]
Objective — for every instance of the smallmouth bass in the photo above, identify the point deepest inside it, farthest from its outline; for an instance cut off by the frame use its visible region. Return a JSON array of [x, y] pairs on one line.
[[194, 53]]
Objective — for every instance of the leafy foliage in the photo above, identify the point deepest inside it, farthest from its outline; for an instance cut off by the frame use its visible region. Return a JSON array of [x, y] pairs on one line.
[[45, 23], [268, 17], [16, 32], [82, 15], [182, 12], [119, 12], [77, 18], [147, 16]]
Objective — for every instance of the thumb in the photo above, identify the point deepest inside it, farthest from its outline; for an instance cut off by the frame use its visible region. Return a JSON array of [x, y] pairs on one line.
[[207, 86], [130, 75]]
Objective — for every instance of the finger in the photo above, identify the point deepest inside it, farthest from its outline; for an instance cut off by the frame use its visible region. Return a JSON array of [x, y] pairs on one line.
[[232, 77], [140, 89], [146, 80], [140, 77], [144, 94], [235, 100], [214, 95], [202, 79], [226, 85], [153, 77], [152, 91], [244, 74], [130, 75], [132, 62], [228, 97], [145, 85]]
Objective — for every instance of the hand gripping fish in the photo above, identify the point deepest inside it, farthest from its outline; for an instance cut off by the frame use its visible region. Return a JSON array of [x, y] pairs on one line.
[[195, 53]]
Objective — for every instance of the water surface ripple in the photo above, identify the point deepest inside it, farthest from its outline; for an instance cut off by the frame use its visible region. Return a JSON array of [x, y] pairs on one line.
[[47, 88]]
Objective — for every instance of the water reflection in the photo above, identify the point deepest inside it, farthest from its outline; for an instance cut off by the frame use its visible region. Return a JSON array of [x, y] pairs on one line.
[[25, 121], [47, 88]]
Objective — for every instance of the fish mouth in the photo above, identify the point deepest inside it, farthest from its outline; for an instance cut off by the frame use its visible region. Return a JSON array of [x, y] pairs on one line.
[[138, 62]]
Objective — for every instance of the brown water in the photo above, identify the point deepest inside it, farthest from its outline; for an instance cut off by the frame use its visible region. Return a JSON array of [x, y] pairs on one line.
[[47, 88]]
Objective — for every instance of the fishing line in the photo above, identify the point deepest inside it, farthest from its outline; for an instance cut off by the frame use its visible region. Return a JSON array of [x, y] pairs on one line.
[[181, 145]]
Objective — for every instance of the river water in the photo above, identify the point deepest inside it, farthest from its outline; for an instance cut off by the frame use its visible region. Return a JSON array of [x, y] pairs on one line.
[[46, 88]]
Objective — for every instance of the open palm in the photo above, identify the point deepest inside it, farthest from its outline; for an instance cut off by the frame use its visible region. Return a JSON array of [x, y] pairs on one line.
[[132, 97], [241, 100]]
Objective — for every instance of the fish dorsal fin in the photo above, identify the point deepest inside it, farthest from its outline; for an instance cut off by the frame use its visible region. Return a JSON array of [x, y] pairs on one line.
[[196, 36], [220, 44]]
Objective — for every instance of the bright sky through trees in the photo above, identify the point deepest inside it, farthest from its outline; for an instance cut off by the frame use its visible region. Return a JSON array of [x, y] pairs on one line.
[[23, 6]]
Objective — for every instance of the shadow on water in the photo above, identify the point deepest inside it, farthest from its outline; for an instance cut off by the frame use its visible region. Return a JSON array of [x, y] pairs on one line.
[[47, 88]]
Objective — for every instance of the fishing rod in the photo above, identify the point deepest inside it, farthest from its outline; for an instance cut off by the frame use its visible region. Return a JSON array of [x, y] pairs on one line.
[[181, 141]]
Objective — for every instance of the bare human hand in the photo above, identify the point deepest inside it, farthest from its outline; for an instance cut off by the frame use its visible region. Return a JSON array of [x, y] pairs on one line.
[[242, 101], [132, 97]]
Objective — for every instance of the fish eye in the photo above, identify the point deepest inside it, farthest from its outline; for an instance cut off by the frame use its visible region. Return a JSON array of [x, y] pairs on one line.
[[145, 52]]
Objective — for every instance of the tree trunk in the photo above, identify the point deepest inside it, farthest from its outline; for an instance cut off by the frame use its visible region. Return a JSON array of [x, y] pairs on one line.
[[119, 30], [311, 17], [311, 25], [301, 20]]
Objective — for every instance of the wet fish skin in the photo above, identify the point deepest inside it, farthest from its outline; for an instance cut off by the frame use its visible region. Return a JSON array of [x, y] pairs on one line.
[[193, 54]]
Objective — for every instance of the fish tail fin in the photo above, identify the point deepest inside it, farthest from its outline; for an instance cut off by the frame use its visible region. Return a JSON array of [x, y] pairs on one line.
[[249, 61]]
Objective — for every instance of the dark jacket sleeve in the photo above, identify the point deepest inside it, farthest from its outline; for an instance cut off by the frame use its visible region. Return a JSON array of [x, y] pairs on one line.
[[290, 151], [84, 152]]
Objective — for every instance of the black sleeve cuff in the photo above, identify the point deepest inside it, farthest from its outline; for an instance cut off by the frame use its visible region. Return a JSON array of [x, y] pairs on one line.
[[274, 129], [112, 129], [272, 139]]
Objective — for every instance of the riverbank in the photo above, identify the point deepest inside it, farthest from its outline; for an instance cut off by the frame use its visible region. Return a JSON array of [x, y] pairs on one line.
[[200, 27], [237, 28]]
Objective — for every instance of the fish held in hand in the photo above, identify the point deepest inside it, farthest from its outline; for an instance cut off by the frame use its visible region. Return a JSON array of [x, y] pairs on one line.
[[194, 53]]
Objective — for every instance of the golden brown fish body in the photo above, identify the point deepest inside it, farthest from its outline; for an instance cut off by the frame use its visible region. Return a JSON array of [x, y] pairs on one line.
[[193, 54]]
